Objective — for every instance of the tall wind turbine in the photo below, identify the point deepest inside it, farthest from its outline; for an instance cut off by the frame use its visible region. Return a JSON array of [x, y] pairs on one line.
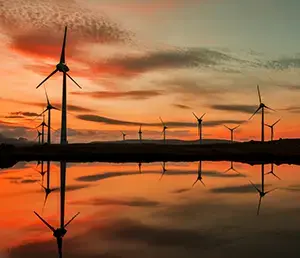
[[61, 231], [261, 192], [272, 128], [43, 124], [124, 136], [199, 178], [39, 134], [63, 68], [199, 120], [49, 108], [164, 129], [140, 133], [231, 131], [261, 107]]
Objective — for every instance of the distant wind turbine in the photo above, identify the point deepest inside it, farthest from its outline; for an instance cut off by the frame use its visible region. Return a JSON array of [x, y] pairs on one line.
[[49, 108], [199, 178], [231, 168], [164, 170], [140, 167], [140, 133], [199, 120], [272, 172], [39, 134], [261, 107], [231, 131], [272, 128], [124, 135], [41, 172], [63, 68], [261, 192], [164, 129], [43, 125]]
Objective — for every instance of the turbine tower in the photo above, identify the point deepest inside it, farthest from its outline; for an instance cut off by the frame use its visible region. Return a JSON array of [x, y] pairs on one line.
[[48, 108], [124, 136], [261, 107], [199, 120], [231, 131], [140, 133], [63, 68], [164, 129], [43, 124], [272, 128]]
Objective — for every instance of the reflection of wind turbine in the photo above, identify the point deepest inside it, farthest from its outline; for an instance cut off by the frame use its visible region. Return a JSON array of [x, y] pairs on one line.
[[272, 172], [199, 125], [61, 231], [63, 68], [231, 131], [199, 178], [140, 133], [140, 167], [164, 129], [164, 170], [48, 108], [231, 168], [272, 128], [41, 172], [261, 107], [261, 192], [43, 124], [124, 136]]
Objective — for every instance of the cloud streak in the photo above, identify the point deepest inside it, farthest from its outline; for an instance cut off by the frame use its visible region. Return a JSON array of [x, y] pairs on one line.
[[248, 109]]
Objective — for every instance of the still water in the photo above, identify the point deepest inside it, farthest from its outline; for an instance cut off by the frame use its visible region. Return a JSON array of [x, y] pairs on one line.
[[154, 212]]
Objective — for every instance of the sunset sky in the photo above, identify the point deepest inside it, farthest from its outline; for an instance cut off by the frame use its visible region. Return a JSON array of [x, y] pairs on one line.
[[138, 60]]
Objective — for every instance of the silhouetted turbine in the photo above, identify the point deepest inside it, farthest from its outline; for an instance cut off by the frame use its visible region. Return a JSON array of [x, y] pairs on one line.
[[261, 192], [43, 124], [49, 108], [124, 136], [199, 178], [272, 128], [140, 167], [231, 131], [164, 170], [63, 68], [41, 172], [199, 120], [38, 136], [272, 172], [261, 107], [164, 129], [231, 168], [140, 133]]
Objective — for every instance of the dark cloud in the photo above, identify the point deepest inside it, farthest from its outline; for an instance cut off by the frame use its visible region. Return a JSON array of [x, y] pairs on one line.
[[284, 63], [21, 113], [25, 181], [136, 95], [97, 177], [134, 202], [219, 174], [248, 109], [106, 120], [181, 190], [292, 109], [237, 189], [181, 106], [71, 188]]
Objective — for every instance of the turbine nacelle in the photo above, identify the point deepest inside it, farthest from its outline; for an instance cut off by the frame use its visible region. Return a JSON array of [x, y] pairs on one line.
[[59, 232], [63, 68]]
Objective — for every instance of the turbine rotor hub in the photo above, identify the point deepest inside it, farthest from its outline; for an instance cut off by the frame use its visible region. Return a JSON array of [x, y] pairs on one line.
[[59, 232], [62, 67]]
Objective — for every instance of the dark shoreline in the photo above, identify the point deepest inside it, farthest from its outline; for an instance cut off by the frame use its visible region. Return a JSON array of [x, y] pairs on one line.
[[278, 152]]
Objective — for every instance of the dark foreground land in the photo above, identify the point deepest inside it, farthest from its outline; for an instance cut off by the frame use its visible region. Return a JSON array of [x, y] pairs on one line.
[[278, 152]]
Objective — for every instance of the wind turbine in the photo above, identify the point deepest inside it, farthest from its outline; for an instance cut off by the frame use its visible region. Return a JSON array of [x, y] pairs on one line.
[[164, 170], [261, 107], [38, 136], [63, 68], [231, 131], [199, 125], [272, 128], [261, 192], [49, 108], [272, 172], [140, 133], [124, 136], [231, 168], [164, 129], [61, 231], [199, 178], [43, 124]]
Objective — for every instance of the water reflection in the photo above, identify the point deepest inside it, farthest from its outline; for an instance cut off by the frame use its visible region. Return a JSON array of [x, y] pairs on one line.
[[125, 212]]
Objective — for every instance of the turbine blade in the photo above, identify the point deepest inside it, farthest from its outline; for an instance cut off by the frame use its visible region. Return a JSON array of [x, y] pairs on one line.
[[74, 81], [254, 186], [44, 221], [63, 54], [195, 116], [46, 197], [195, 182], [258, 207], [227, 170], [202, 116], [71, 219], [202, 183], [236, 127], [255, 112], [276, 122], [44, 111], [227, 127], [270, 108], [259, 96], [50, 75], [270, 191], [162, 121], [276, 176], [48, 102]]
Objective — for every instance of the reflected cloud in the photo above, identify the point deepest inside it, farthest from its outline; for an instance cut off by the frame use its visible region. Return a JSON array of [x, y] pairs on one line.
[[236, 189]]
